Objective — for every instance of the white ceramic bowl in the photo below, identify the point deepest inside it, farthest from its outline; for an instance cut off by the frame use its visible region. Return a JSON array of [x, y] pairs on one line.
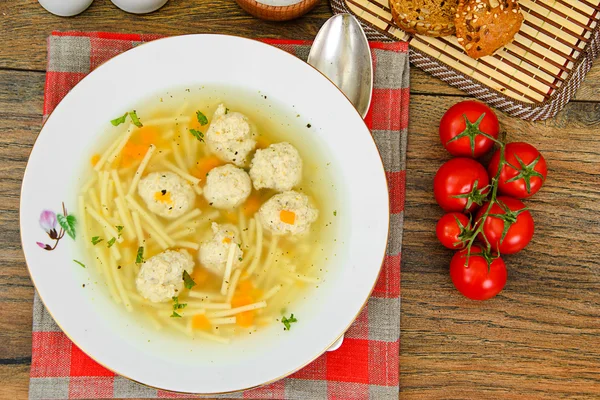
[[139, 6], [107, 333]]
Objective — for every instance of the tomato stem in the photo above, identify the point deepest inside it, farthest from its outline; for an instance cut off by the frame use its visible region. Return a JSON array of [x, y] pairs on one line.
[[478, 224]]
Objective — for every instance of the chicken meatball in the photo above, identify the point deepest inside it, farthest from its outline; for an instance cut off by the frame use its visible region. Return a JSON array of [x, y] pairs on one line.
[[230, 136], [227, 187], [161, 276], [166, 194], [214, 252], [288, 213], [278, 167]]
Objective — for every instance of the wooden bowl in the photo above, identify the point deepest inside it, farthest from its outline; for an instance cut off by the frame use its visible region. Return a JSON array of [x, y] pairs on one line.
[[277, 10]]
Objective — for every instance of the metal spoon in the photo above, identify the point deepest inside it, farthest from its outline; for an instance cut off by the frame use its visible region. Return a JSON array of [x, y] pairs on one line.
[[341, 53]]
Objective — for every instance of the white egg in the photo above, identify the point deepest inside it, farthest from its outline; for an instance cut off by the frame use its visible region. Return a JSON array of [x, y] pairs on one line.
[[65, 8], [139, 6]]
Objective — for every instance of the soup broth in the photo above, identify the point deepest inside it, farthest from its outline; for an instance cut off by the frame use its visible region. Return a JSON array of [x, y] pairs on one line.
[[266, 266]]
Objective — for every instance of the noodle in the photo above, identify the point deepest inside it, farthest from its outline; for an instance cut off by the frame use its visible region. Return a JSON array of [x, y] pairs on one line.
[[258, 253], [237, 310], [112, 266], [268, 261], [125, 218], [182, 233], [113, 156], [182, 220], [272, 292], [91, 182], [234, 281], [106, 155], [187, 244], [150, 220], [115, 177], [101, 259], [138, 228], [155, 236], [181, 172], [166, 121], [228, 267], [109, 230], [223, 321], [206, 295], [177, 155], [83, 221], [243, 231], [251, 230], [103, 192], [140, 170]]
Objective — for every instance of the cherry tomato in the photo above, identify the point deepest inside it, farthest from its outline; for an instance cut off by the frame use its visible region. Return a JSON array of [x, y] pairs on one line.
[[460, 185], [475, 278], [509, 226], [468, 129], [526, 173], [451, 228]]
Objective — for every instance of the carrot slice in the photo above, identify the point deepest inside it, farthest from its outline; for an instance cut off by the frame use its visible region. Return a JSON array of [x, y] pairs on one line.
[[138, 144], [251, 205], [163, 196], [245, 319], [262, 142], [240, 300], [204, 165], [201, 322], [94, 160], [200, 276], [245, 287], [287, 217]]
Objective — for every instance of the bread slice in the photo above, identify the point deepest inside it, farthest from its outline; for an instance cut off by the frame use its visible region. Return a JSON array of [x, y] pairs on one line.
[[484, 26], [425, 17]]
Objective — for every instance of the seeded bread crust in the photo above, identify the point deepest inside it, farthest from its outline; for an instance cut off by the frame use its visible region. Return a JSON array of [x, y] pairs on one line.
[[425, 17], [484, 26]]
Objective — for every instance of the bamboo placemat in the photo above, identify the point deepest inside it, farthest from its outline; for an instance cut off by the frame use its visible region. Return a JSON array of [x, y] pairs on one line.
[[532, 78]]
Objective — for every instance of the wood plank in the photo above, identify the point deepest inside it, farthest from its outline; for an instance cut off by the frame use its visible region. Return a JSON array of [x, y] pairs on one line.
[[15, 381], [538, 338], [29, 25]]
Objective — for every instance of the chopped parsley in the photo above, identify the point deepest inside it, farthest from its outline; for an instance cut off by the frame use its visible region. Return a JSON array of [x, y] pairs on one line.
[[335, 213], [135, 119], [227, 111], [111, 242], [175, 315], [188, 281], [119, 229], [140, 255], [202, 118], [96, 240], [287, 322], [240, 259], [177, 305], [118, 121], [197, 134], [80, 263]]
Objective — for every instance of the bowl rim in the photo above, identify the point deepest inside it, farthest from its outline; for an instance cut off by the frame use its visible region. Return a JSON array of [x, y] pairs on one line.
[[286, 374]]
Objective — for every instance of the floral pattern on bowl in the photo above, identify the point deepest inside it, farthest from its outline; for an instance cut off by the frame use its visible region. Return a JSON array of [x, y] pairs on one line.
[[48, 222]]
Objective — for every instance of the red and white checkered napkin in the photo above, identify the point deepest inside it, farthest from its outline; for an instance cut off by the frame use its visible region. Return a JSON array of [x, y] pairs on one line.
[[365, 367]]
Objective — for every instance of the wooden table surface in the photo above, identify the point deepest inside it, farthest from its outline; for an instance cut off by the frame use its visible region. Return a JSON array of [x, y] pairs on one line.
[[539, 339]]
